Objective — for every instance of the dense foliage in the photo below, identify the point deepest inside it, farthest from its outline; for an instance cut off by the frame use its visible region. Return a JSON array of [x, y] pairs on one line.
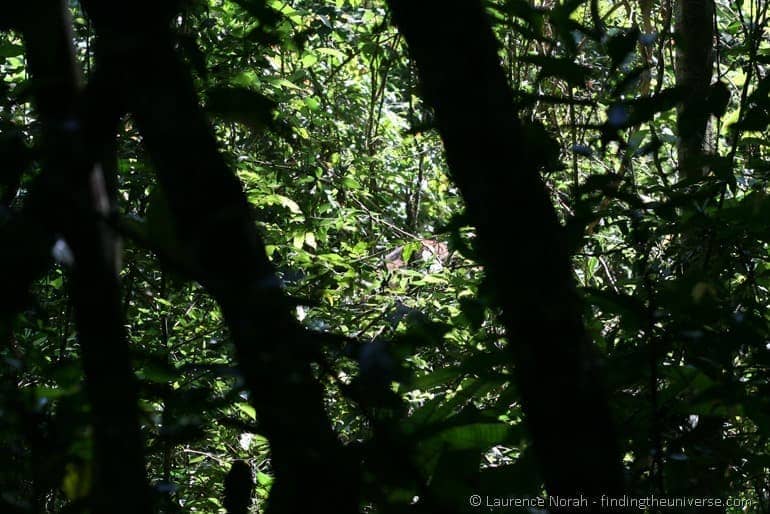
[[321, 111]]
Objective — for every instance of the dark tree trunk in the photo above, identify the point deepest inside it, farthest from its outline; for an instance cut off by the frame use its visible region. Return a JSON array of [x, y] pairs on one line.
[[694, 69], [694, 63], [494, 162], [135, 56], [239, 488], [78, 211]]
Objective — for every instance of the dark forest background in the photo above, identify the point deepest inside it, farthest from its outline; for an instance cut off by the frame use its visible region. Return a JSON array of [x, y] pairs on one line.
[[351, 256]]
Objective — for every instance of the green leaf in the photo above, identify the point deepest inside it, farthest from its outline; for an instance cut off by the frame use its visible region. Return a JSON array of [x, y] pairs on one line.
[[312, 103], [309, 59], [288, 203], [310, 240], [11, 50], [264, 480], [248, 410], [477, 436], [340, 56], [438, 377], [351, 183], [409, 249], [77, 480]]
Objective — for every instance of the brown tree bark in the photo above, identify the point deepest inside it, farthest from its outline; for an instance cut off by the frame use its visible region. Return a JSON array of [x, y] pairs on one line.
[[495, 162]]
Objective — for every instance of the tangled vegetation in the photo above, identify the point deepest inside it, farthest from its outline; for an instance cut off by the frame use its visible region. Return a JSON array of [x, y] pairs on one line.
[[383, 256]]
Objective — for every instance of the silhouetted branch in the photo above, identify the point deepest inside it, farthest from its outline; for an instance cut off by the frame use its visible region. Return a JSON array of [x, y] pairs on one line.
[[215, 228], [119, 483], [495, 161]]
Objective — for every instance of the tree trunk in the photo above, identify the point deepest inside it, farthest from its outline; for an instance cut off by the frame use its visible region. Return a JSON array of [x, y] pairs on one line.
[[493, 159], [694, 27], [212, 217], [694, 64], [79, 213]]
